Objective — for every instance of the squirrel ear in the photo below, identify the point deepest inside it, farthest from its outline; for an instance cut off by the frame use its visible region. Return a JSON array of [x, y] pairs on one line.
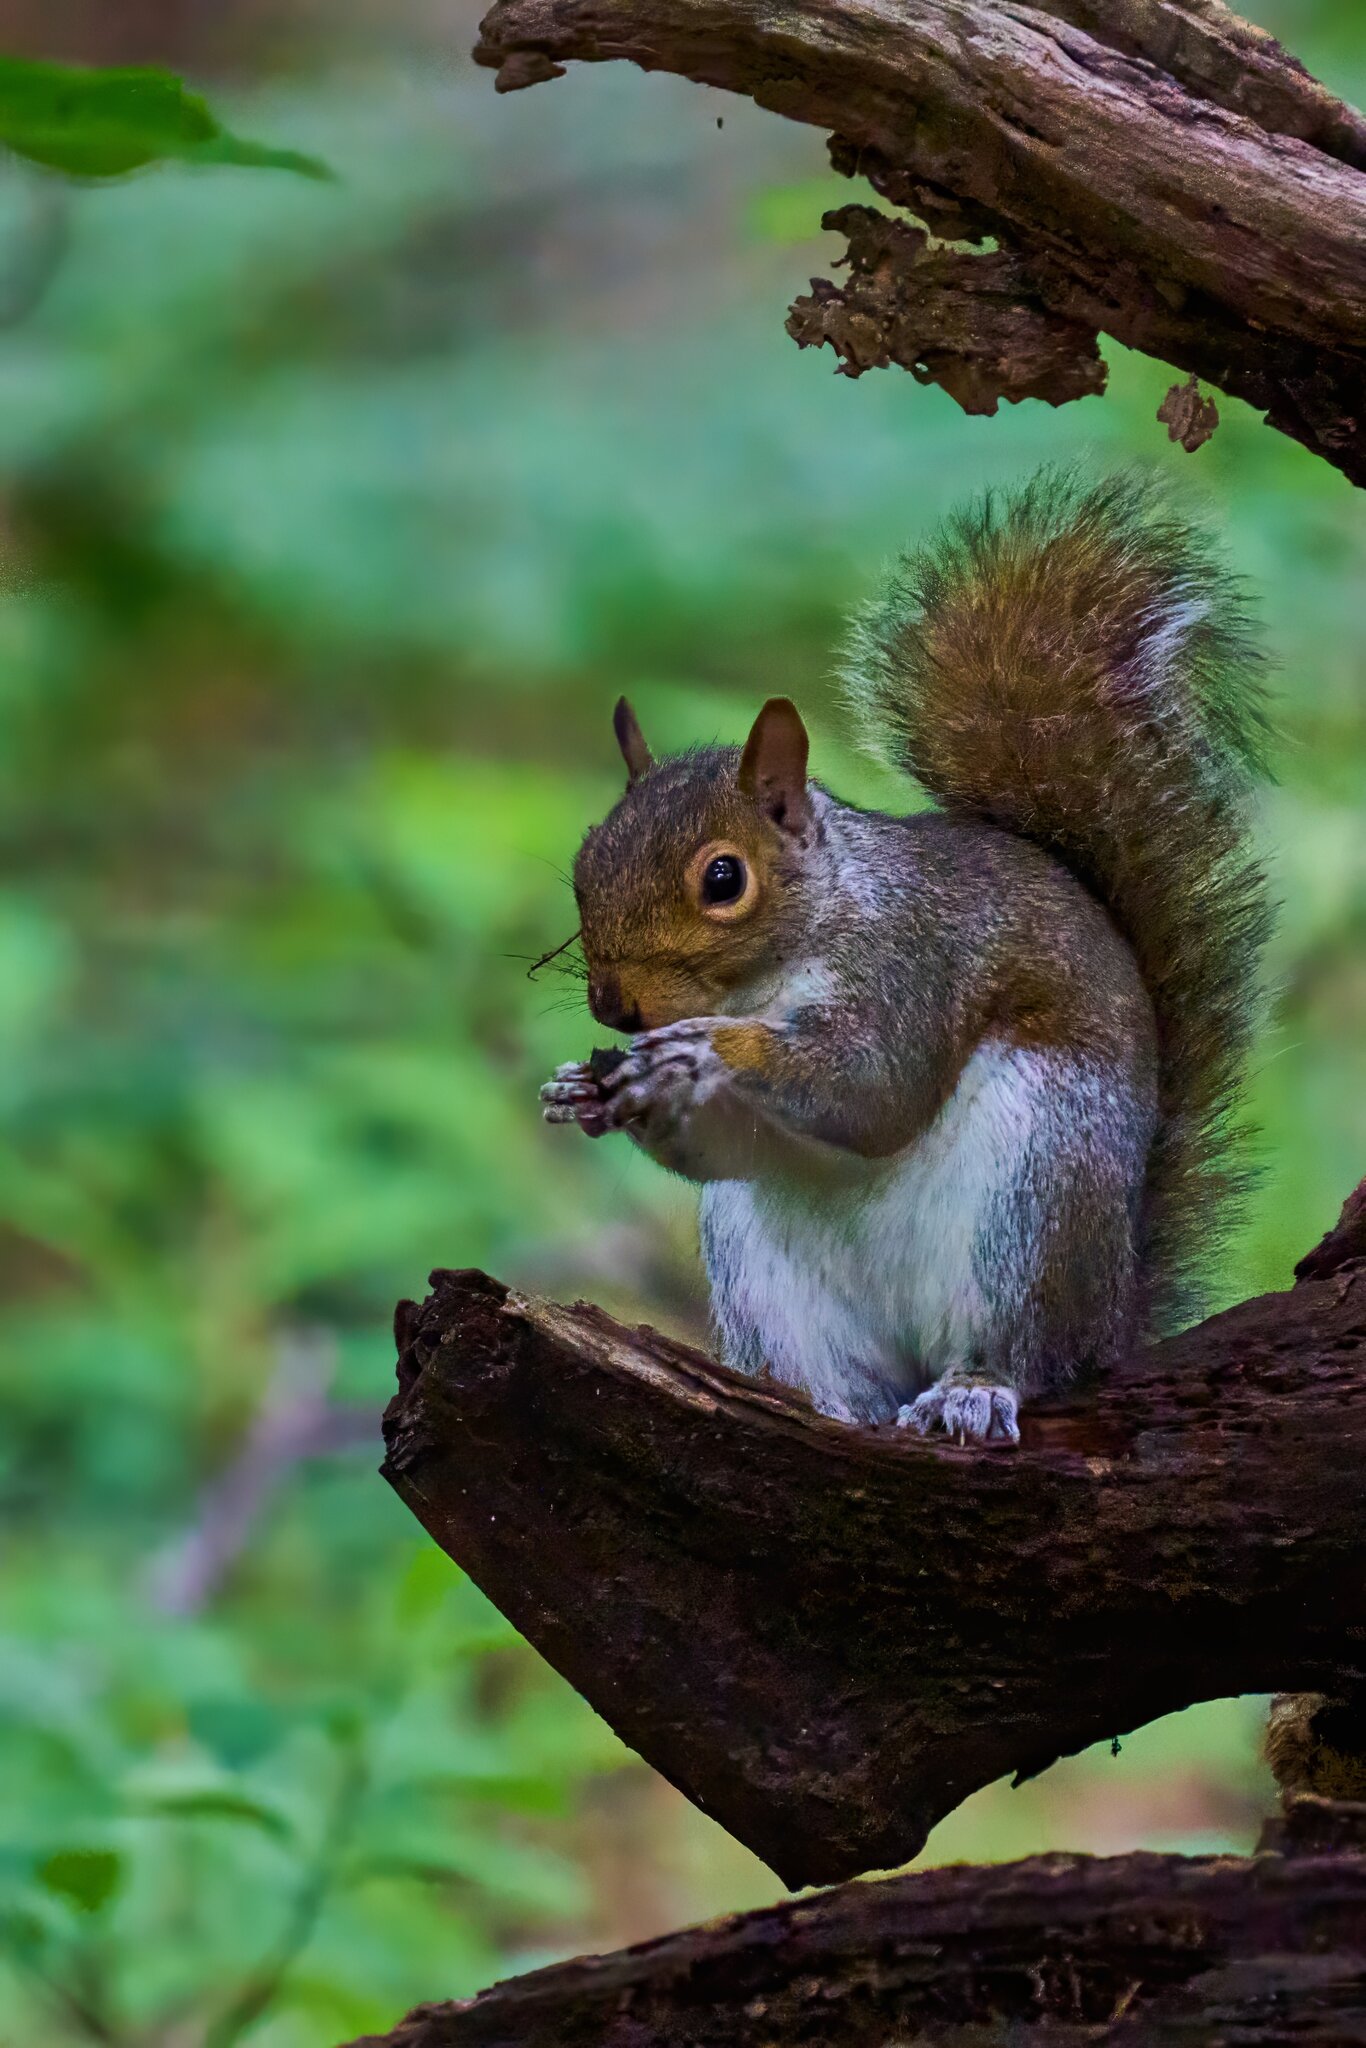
[[773, 765], [634, 752]]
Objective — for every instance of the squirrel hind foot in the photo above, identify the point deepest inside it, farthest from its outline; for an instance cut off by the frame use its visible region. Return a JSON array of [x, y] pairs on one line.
[[975, 1413]]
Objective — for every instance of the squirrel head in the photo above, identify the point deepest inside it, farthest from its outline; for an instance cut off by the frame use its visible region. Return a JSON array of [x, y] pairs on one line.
[[697, 882]]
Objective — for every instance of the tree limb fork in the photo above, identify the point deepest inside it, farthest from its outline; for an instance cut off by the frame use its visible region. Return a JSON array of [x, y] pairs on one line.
[[828, 1637]]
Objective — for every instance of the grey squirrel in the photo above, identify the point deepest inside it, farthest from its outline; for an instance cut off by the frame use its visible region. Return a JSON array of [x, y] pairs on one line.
[[957, 1087]]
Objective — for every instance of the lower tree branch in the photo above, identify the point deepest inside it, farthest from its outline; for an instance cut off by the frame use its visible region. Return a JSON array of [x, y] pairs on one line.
[[1130, 1952], [827, 1636]]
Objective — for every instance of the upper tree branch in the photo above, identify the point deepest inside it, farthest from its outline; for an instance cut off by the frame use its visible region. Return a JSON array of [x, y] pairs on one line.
[[1163, 172], [828, 1637]]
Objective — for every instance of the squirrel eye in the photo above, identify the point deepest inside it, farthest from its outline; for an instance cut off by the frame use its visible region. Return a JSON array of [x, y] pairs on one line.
[[723, 879]]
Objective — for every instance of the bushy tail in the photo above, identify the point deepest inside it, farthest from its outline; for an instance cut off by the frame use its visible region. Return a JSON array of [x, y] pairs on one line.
[[1072, 662]]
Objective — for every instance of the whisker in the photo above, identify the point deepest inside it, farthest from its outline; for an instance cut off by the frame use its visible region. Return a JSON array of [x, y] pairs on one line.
[[574, 967], [570, 967], [543, 860], [579, 975]]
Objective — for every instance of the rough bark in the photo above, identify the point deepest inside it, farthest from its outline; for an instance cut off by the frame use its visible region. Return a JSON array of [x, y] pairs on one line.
[[1132, 1952], [1318, 1745], [971, 323], [828, 1637], [1156, 170]]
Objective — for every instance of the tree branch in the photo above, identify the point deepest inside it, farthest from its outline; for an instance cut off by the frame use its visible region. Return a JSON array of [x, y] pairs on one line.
[[1160, 172], [828, 1637], [1130, 1952], [975, 324]]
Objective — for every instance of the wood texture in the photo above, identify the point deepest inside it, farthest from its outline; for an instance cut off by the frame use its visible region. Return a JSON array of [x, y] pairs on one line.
[[828, 1637], [1129, 1952], [974, 324], [1162, 173]]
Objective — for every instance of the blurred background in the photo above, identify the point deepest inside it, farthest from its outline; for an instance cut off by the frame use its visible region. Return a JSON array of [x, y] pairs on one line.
[[333, 518]]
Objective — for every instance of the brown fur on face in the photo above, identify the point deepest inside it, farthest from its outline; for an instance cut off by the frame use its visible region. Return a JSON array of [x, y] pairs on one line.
[[654, 957]]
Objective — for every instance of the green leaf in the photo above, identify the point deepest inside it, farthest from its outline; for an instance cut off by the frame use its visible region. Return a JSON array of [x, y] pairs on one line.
[[101, 123], [236, 1731], [217, 1802], [431, 1849], [25, 1931], [89, 1878]]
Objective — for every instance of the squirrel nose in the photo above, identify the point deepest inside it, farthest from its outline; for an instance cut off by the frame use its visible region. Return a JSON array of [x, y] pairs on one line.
[[609, 1006]]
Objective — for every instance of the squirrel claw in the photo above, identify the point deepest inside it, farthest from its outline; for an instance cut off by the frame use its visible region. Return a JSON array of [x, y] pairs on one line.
[[973, 1414], [573, 1095]]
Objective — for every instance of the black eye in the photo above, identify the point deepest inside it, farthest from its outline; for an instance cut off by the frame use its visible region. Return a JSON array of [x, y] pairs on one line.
[[723, 879]]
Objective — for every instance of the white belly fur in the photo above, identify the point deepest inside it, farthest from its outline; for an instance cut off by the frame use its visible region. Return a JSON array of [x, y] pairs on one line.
[[865, 1296]]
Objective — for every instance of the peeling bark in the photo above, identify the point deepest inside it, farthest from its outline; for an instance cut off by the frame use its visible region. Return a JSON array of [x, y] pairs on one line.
[[1188, 417], [1129, 1952], [973, 324], [1160, 172], [828, 1637]]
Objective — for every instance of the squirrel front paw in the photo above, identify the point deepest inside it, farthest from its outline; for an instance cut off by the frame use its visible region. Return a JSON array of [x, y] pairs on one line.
[[575, 1093], [665, 1075], [973, 1413], [652, 1087]]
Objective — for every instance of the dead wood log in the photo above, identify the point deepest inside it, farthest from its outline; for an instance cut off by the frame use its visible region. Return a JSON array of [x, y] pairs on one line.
[[1130, 1952], [828, 1637], [1156, 170]]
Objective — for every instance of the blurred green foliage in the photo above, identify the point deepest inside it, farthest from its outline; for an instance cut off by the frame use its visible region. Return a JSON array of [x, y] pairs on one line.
[[335, 516], [100, 123]]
